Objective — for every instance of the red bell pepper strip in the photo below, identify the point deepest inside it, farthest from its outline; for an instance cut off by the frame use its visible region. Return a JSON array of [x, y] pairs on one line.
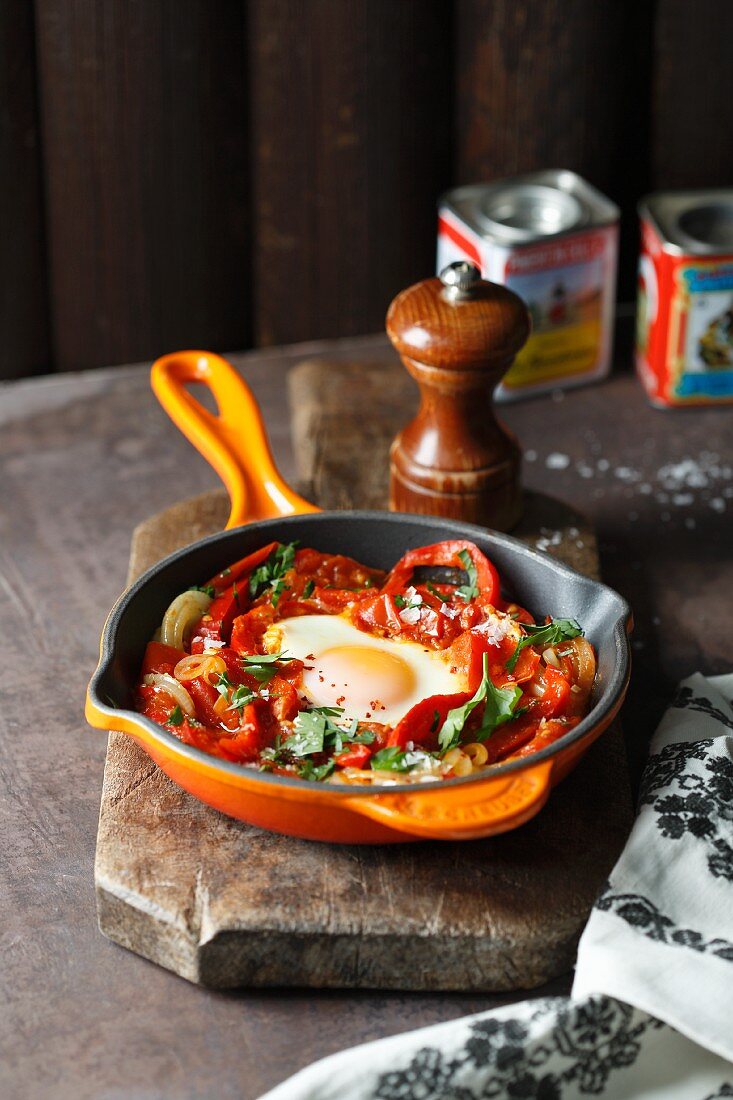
[[353, 756], [257, 731], [557, 691], [379, 611], [204, 697], [422, 723], [446, 553], [161, 658], [241, 568]]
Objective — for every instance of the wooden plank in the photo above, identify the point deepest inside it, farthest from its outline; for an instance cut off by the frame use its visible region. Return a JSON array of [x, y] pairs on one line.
[[144, 112], [225, 904], [692, 107], [561, 84], [350, 144], [23, 306]]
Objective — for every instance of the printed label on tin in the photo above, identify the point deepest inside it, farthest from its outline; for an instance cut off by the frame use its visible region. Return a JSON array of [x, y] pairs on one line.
[[563, 285], [702, 330], [568, 285]]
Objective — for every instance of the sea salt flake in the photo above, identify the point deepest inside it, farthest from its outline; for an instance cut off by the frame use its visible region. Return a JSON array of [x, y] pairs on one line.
[[410, 615], [557, 461], [717, 504], [627, 473]]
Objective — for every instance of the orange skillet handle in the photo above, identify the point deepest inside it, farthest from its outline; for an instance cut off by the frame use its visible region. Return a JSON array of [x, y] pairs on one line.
[[465, 811], [233, 441]]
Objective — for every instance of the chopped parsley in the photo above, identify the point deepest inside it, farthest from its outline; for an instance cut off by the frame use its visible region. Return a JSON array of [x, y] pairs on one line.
[[263, 666], [501, 706], [314, 732], [316, 772], [395, 759], [207, 589], [468, 591], [271, 573], [224, 685], [308, 590], [236, 695], [235, 594], [391, 759], [240, 697], [176, 717], [552, 633]]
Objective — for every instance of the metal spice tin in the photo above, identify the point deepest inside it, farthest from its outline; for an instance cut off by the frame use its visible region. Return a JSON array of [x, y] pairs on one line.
[[553, 238], [684, 320]]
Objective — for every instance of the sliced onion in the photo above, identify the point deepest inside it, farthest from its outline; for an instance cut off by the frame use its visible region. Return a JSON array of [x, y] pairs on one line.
[[458, 762], [162, 681], [199, 664], [584, 660], [477, 753], [182, 616], [550, 658]]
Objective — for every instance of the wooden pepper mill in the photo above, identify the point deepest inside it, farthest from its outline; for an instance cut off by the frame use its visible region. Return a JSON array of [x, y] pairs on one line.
[[457, 336]]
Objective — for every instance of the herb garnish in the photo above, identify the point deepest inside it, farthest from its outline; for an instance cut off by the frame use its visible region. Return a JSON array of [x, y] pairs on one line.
[[272, 572], [207, 589], [316, 772], [558, 630], [501, 706], [308, 590], [395, 759], [391, 759], [176, 716], [314, 731], [236, 695], [263, 666], [468, 591], [241, 697]]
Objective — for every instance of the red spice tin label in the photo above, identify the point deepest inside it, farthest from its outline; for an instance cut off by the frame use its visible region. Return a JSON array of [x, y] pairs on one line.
[[552, 238], [684, 330]]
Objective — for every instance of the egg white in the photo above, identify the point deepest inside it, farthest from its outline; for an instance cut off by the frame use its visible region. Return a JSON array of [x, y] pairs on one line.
[[308, 637]]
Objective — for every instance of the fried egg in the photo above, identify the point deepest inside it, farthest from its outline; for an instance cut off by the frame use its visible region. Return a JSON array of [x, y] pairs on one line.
[[371, 678]]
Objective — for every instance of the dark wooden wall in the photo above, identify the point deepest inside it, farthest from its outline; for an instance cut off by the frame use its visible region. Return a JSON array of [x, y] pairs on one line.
[[247, 172]]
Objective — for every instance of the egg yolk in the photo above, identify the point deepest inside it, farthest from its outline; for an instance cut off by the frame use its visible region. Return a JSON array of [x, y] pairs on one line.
[[361, 678]]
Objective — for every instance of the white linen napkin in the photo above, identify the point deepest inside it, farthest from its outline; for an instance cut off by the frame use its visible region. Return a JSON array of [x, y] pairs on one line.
[[650, 1016]]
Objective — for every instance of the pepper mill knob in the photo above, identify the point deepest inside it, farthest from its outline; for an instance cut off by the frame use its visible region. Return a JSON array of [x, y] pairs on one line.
[[457, 336]]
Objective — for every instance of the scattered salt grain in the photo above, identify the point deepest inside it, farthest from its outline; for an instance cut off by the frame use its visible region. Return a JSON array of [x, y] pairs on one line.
[[626, 473], [717, 504], [681, 499], [557, 461], [603, 464], [530, 456], [690, 523]]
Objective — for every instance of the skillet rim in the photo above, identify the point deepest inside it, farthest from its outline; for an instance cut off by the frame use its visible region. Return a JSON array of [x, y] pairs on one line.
[[606, 707]]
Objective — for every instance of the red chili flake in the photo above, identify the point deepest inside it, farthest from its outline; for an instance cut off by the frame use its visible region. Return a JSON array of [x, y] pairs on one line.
[[368, 714], [310, 656], [341, 699], [321, 678]]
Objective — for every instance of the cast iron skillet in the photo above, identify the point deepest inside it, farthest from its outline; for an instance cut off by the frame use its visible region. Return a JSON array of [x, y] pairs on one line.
[[495, 801]]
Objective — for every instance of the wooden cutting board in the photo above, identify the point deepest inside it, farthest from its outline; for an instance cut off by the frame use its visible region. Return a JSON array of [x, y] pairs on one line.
[[225, 904]]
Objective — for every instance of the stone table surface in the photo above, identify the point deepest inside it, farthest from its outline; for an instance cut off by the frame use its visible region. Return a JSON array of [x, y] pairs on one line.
[[83, 459]]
